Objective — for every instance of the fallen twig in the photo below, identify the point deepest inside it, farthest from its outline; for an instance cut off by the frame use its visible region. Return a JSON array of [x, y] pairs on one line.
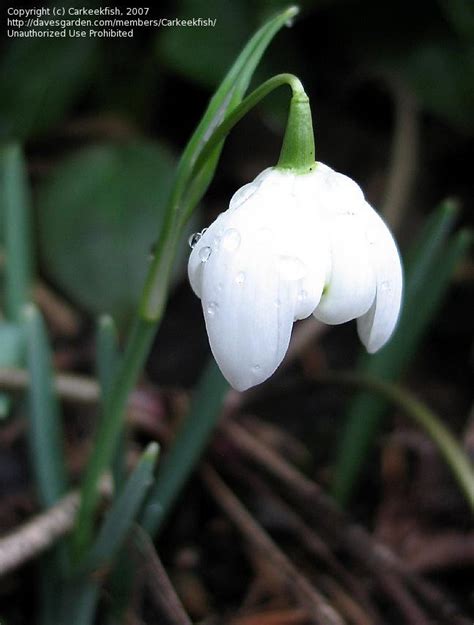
[[38, 534], [311, 599], [319, 508], [162, 591]]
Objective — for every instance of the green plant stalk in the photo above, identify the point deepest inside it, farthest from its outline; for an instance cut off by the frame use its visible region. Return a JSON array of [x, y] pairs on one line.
[[297, 152], [155, 293], [107, 436], [186, 449], [44, 432], [107, 363], [84, 586], [15, 201], [109, 429], [46, 451], [459, 463]]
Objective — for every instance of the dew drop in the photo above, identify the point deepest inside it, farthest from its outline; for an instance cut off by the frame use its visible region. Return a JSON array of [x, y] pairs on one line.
[[385, 285], [212, 308], [277, 303], [231, 240], [195, 238], [256, 369], [240, 278], [291, 268], [204, 254]]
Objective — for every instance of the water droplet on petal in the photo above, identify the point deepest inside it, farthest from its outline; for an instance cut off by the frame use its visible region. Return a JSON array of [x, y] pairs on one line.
[[277, 303], [240, 278], [231, 240], [204, 254], [385, 285], [291, 268], [256, 369], [212, 308], [194, 239]]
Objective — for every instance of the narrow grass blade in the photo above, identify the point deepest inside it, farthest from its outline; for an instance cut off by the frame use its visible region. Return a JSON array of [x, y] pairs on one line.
[[452, 452], [15, 204], [186, 449], [123, 512], [11, 355], [107, 362], [46, 448], [107, 352], [432, 263], [83, 590], [45, 431]]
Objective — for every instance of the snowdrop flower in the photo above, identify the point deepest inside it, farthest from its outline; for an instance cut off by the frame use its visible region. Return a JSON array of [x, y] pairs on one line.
[[291, 245]]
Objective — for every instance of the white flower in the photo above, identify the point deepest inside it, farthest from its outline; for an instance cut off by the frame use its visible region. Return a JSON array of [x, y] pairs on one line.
[[291, 245]]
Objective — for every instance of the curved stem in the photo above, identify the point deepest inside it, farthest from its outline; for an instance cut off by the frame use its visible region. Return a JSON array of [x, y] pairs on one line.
[[456, 458], [244, 107]]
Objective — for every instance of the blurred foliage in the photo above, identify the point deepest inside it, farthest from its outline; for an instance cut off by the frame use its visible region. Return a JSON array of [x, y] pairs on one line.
[[99, 213], [39, 80]]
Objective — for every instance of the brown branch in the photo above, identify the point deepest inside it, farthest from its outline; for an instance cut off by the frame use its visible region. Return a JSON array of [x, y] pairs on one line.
[[38, 534], [310, 598], [320, 509], [314, 544], [72, 388], [42, 531], [162, 591]]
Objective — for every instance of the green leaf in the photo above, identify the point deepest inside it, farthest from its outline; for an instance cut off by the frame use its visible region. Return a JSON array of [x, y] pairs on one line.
[[12, 352], [45, 429], [99, 215], [15, 208], [107, 353], [39, 80], [433, 260], [123, 512], [187, 448]]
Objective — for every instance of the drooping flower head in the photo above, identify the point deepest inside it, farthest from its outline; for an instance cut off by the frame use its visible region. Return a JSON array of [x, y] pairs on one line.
[[291, 245]]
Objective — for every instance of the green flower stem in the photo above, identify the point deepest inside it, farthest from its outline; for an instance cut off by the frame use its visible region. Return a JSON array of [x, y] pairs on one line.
[[455, 457], [298, 100], [297, 152], [154, 295], [109, 429]]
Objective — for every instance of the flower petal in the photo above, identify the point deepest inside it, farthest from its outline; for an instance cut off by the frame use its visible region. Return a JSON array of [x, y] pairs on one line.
[[249, 315], [258, 267], [350, 290], [378, 323]]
